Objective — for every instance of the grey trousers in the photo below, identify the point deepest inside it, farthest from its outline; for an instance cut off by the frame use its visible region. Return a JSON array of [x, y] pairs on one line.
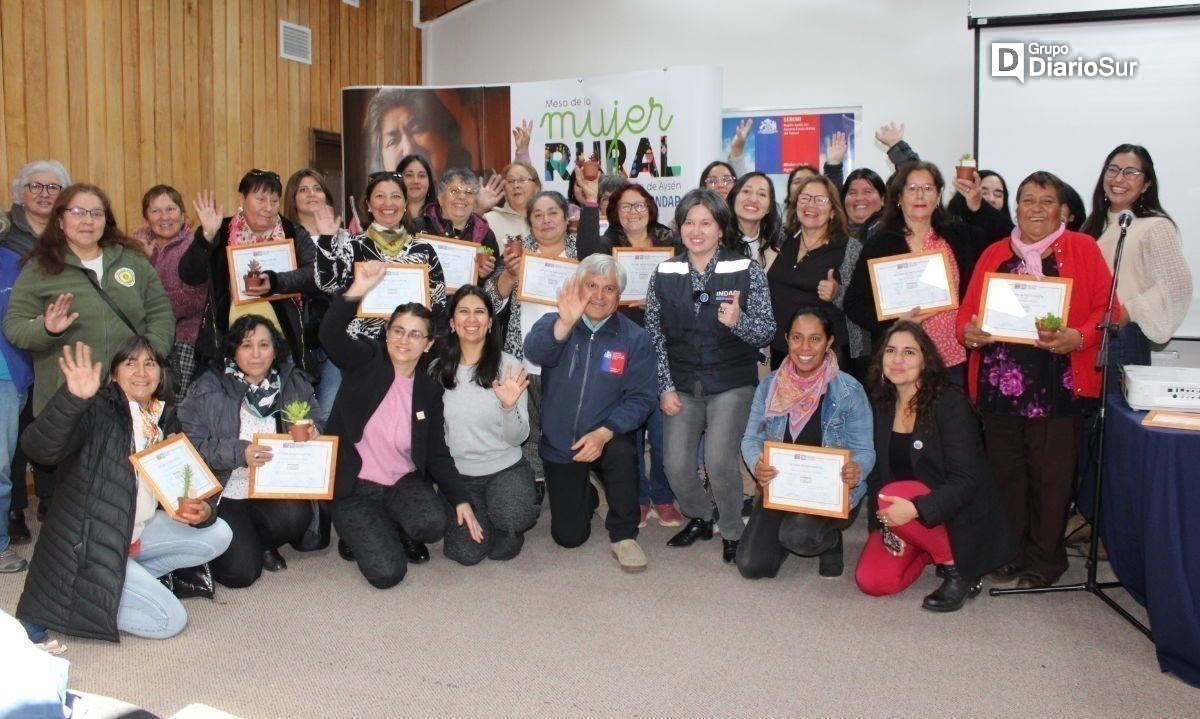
[[530, 448], [721, 418], [504, 507], [772, 534]]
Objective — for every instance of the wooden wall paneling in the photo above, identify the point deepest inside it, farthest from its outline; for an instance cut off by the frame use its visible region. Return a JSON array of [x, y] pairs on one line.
[[205, 143], [35, 67], [77, 100], [172, 99], [108, 113], [13, 114], [242, 160], [272, 127], [130, 91], [145, 153], [6, 158], [161, 95], [58, 110], [96, 88], [230, 103], [192, 168]]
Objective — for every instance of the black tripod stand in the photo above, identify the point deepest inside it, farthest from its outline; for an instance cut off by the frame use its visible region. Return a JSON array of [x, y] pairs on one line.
[[1108, 329]]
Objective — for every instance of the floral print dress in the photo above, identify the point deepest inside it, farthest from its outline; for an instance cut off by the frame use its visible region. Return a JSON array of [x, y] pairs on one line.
[[1022, 380]]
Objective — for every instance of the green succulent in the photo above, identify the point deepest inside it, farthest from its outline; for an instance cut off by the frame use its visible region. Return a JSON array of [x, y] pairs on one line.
[[293, 412]]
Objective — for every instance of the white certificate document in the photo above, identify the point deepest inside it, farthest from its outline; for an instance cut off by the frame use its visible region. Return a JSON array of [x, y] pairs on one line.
[[458, 259], [173, 469], [639, 264], [297, 470], [279, 256], [809, 480], [1011, 303], [905, 282], [541, 276], [401, 284]]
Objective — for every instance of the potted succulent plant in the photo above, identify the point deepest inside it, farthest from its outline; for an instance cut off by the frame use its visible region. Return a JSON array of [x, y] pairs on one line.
[[1048, 327], [254, 274], [185, 490], [965, 169], [296, 414]]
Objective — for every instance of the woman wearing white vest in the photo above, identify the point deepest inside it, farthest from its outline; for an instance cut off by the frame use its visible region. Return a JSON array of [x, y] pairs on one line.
[[708, 312]]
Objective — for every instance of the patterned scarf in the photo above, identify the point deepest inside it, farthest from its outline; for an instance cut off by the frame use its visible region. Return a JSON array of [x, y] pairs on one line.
[[241, 234], [262, 398], [391, 243], [475, 230], [145, 423], [798, 397], [1031, 255]]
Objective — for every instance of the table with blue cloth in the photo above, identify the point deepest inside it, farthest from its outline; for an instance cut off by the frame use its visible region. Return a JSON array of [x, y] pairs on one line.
[[1151, 528]]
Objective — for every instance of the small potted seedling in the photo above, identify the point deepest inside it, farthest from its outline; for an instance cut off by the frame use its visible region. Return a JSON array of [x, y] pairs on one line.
[[1048, 327], [296, 415], [482, 253], [590, 168], [185, 490], [254, 274], [965, 169]]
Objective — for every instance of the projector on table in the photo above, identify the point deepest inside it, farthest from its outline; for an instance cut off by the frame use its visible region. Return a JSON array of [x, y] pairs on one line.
[[1164, 388]]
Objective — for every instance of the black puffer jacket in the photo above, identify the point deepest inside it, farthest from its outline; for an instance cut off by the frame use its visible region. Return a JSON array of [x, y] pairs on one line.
[[78, 567]]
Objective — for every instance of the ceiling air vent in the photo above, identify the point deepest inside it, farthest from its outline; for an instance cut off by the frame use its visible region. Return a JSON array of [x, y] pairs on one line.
[[295, 42]]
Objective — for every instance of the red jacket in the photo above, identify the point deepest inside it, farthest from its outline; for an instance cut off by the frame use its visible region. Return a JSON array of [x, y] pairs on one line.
[[1079, 258]]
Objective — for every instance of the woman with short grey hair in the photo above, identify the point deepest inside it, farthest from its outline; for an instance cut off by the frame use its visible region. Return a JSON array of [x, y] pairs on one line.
[[453, 216], [34, 190]]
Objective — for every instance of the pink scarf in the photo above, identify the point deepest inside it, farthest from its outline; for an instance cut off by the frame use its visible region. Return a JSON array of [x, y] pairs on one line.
[[798, 397], [1031, 255], [241, 234]]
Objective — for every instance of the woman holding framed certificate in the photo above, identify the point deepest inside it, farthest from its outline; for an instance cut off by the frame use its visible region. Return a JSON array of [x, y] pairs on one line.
[[101, 549], [931, 493], [389, 418], [453, 215], [386, 239], [807, 401], [272, 266], [486, 422], [914, 221], [1034, 392], [222, 414]]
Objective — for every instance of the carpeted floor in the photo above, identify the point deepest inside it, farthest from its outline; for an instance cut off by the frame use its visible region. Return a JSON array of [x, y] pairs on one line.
[[565, 633]]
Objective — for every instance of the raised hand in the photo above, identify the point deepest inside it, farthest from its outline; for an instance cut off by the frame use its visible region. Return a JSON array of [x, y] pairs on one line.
[[571, 301], [81, 376], [738, 145], [509, 386], [366, 278], [587, 192], [730, 311], [827, 287], [490, 194], [208, 212], [971, 190], [836, 151], [58, 316], [890, 134], [327, 222], [521, 134]]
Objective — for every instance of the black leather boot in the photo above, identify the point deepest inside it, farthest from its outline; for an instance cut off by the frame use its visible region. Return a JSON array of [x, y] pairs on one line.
[[416, 552], [953, 593], [693, 530], [729, 550], [18, 530], [831, 563]]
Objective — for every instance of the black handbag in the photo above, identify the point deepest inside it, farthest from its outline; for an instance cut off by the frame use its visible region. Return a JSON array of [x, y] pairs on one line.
[[190, 582]]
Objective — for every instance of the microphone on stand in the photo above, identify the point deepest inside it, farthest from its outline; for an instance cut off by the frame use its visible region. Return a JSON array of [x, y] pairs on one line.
[[1125, 219]]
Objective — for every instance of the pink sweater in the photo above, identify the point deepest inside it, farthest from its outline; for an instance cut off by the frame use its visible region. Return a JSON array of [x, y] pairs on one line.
[[386, 444]]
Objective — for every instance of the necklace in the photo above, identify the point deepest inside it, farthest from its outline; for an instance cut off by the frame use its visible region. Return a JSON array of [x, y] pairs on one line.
[[804, 250]]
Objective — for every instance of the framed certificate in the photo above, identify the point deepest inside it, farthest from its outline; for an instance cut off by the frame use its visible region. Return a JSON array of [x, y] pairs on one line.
[[809, 480], [278, 256], [403, 283], [458, 259], [173, 469], [639, 264], [541, 276], [297, 470], [906, 282], [1173, 420], [1011, 303]]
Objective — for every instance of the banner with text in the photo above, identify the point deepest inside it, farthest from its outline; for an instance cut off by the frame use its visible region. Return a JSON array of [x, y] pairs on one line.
[[780, 140]]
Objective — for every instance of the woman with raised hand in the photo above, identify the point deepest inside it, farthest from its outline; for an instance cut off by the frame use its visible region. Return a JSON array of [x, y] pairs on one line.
[[244, 396], [486, 423], [807, 401], [205, 263], [389, 417], [1154, 283], [102, 548], [508, 221], [931, 493], [453, 215]]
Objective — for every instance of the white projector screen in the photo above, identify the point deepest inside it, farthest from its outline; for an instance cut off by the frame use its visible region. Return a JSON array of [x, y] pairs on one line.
[[1068, 125]]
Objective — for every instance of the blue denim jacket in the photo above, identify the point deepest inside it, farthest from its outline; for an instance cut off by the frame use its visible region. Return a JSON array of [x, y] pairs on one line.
[[846, 423]]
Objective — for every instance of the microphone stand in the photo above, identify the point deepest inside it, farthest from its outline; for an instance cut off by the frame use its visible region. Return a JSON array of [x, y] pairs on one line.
[[1108, 329]]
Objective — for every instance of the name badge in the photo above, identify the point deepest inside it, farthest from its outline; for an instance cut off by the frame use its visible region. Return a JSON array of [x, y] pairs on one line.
[[420, 415]]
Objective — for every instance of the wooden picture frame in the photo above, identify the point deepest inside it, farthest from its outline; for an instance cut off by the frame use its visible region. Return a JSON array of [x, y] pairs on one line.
[[880, 265], [167, 455], [541, 287], [381, 306], [452, 270], [283, 444], [275, 251], [841, 511], [1014, 284]]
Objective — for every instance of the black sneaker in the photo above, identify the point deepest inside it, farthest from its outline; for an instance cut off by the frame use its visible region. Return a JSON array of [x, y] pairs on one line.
[[18, 531]]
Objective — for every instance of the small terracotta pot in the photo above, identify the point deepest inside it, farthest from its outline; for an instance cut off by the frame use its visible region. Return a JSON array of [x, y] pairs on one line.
[[299, 430], [590, 170], [515, 245], [964, 172], [251, 279], [1047, 336]]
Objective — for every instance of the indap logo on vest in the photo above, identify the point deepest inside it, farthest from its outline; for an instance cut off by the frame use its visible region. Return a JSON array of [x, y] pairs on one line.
[[1038, 60]]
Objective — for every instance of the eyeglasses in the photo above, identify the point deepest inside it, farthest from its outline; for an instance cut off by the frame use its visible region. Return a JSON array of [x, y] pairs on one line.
[[79, 213], [632, 207], [264, 173], [399, 334], [517, 181], [1129, 173], [807, 199], [723, 181], [461, 191], [915, 189], [385, 175], [37, 188]]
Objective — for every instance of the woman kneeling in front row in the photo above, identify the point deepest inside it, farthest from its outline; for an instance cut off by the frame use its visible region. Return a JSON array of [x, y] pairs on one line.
[[806, 401], [932, 495], [388, 414]]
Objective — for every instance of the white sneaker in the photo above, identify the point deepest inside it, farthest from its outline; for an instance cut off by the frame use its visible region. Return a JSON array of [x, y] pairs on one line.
[[11, 562], [629, 555]]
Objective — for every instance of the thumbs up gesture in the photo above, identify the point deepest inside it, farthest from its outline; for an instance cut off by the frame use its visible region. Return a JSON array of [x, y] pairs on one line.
[[730, 311], [827, 287]]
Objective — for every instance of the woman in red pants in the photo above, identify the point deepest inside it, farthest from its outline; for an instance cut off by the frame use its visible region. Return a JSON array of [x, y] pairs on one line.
[[932, 495]]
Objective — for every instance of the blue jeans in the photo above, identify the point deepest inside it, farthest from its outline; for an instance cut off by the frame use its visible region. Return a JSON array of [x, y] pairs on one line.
[[653, 487], [331, 379], [147, 608], [11, 402]]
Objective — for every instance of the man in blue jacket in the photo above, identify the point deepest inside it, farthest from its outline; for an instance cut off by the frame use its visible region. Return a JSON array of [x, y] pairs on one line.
[[598, 387]]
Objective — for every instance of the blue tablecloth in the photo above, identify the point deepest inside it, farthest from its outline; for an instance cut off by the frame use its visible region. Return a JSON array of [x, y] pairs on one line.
[[1151, 528]]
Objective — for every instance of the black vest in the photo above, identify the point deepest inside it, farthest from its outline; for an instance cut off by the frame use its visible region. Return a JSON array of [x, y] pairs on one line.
[[704, 355]]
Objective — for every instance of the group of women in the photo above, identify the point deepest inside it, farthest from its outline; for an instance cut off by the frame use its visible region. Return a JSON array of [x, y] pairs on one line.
[[127, 339]]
